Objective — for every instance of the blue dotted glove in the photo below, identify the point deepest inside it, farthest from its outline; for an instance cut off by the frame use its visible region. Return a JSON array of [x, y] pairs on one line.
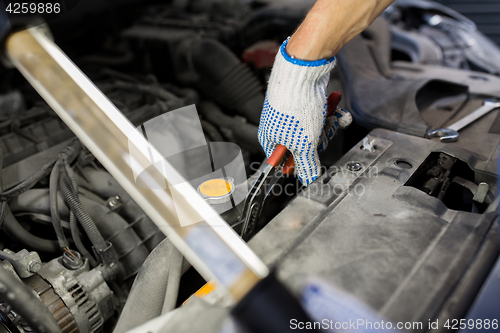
[[295, 109]]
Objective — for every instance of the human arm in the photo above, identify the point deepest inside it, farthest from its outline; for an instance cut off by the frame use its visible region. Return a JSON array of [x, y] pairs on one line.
[[330, 24], [294, 113]]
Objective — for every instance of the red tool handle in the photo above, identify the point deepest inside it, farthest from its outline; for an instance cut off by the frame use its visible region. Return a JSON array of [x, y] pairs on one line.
[[332, 102], [277, 155], [280, 150]]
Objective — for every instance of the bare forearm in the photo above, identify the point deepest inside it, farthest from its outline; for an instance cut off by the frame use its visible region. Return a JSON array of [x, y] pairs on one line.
[[331, 24]]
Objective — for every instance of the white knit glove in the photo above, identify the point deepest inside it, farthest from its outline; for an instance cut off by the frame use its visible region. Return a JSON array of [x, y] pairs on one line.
[[294, 113]]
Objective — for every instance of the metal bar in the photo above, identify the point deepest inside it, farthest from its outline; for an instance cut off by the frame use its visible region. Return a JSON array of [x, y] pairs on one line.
[[210, 245]]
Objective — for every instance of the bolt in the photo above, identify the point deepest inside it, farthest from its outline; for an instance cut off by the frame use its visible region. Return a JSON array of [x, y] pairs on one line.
[[34, 266], [354, 166], [115, 201]]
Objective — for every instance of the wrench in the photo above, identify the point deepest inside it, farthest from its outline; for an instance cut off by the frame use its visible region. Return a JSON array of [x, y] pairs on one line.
[[450, 134]]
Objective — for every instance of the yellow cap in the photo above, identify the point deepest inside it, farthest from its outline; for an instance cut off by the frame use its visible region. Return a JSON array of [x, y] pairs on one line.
[[216, 187]]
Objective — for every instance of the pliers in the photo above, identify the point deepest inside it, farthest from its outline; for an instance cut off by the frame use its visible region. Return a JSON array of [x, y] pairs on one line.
[[270, 176], [278, 166]]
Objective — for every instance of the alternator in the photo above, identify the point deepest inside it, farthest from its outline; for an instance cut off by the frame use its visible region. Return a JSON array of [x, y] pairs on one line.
[[79, 298], [83, 291]]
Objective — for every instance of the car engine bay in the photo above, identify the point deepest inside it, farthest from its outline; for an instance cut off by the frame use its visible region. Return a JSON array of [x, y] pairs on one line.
[[405, 223]]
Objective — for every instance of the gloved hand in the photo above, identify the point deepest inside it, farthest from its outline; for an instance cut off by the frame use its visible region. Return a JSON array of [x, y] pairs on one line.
[[295, 110]]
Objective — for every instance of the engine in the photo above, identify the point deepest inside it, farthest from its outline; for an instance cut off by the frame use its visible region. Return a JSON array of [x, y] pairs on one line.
[[74, 238]]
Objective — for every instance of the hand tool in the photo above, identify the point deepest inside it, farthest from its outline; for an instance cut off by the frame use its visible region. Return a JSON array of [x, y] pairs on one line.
[[208, 243], [273, 173], [263, 186], [450, 133]]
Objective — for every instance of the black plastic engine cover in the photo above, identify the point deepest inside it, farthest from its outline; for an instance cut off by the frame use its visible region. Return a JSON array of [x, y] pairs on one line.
[[362, 228]]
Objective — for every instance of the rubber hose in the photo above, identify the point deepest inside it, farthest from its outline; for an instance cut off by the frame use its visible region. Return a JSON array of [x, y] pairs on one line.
[[24, 302], [70, 152], [222, 76], [146, 297], [16, 231], [101, 182], [37, 201], [73, 223], [71, 177], [113, 227], [127, 245], [84, 218], [29, 182], [54, 212], [75, 234]]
